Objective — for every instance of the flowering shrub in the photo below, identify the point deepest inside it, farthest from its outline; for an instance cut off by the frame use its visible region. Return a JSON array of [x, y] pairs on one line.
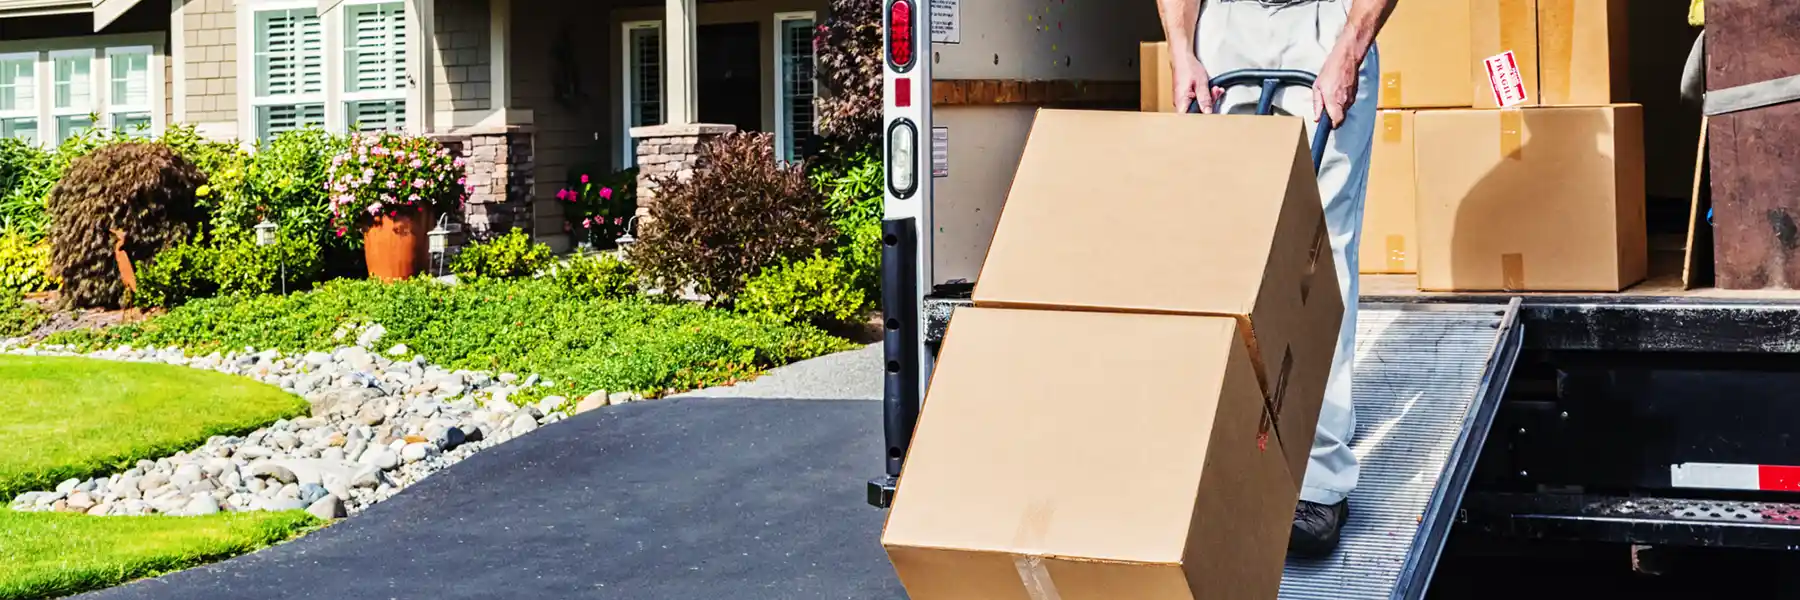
[[391, 173], [599, 210]]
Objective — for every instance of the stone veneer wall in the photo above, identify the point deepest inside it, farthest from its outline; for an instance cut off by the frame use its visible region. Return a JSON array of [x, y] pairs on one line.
[[669, 150], [500, 168]]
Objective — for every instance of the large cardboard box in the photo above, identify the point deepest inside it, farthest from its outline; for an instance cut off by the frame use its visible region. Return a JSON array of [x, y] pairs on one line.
[[1156, 78], [1582, 52], [1390, 225], [1538, 199], [1496, 27], [1176, 214], [1090, 456], [1425, 55]]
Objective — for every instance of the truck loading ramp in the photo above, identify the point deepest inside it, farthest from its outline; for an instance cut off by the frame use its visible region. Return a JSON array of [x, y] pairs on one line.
[[1428, 380]]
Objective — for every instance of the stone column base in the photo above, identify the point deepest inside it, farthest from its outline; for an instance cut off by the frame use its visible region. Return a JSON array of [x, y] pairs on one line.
[[668, 150], [501, 171]]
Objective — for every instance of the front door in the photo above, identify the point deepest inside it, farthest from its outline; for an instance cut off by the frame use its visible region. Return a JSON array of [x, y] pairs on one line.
[[730, 74]]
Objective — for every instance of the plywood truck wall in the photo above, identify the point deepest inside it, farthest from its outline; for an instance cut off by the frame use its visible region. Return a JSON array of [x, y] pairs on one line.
[[1000, 43]]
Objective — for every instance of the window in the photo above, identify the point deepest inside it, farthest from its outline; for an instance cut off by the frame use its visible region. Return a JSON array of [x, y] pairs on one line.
[[375, 66], [72, 92], [289, 71], [130, 105], [18, 97], [643, 81], [794, 75]]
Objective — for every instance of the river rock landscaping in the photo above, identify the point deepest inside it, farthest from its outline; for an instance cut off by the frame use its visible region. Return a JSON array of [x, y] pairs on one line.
[[380, 421]]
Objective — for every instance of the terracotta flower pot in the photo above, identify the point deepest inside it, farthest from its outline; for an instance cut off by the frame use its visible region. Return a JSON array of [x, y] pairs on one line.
[[396, 247]]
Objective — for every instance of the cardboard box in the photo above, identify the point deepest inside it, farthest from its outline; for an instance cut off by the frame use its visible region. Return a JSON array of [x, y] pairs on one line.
[[1176, 214], [1089, 456], [1390, 228], [1156, 78], [1540, 199], [1425, 55], [1497, 26], [1582, 52]]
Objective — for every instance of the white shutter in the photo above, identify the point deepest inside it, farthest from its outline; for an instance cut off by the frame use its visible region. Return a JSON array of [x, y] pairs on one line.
[[277, 118], [378, 115], [289, 53], [376, 58]]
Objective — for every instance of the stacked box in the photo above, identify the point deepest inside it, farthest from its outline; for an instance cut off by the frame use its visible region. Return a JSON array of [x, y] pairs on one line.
[[1128, 410]]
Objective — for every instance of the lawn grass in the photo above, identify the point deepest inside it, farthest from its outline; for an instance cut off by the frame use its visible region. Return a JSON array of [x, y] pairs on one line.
[[75, 417], [521, 326], [45, 555]]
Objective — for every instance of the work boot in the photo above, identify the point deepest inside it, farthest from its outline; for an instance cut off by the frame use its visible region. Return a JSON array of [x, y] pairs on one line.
[[1317, 528]]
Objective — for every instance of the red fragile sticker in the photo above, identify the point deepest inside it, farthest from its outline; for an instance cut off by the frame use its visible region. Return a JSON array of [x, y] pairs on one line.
[[1507, 83]]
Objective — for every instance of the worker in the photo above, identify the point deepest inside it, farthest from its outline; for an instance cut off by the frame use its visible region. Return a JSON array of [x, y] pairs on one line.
[[1334, 39]]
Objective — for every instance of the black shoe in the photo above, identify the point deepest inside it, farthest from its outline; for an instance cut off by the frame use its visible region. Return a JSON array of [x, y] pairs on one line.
[[1317, 528]]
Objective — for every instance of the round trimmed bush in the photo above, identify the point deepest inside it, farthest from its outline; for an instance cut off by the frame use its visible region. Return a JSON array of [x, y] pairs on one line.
[[144, 190]]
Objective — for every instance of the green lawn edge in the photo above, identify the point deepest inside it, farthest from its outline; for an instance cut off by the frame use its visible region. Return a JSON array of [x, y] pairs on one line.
[[126, 549]]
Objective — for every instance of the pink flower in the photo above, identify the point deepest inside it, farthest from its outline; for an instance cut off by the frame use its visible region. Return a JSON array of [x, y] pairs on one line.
[[618, 220], [416, 163], [562, 195], [341, 231], [458, 162], [606, 193], [374, 209], [587, 223], [584, 178], [412, 198], [367, 173], [462, 181], [419, 183]]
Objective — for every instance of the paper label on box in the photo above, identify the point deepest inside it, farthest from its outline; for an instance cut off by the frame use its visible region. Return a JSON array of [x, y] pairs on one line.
[[946, 21], [1507, 83]]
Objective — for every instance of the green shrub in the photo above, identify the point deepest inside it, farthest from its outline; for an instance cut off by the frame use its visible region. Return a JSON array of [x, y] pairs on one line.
[[518, 325], [144, 190], [287, 181], [26, 176], [506, 256], [820, 290], [861, 253], [742, 211], [18, 318], [177, 275], [597, 209], [24, 265], [225, 165], [602, 276], [243, 267]]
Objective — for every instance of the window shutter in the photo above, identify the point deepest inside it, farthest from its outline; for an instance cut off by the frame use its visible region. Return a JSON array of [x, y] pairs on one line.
[[377, 57], [279, 118], [290, 54]]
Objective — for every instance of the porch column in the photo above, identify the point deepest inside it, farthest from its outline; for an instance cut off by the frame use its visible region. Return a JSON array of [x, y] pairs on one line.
[[500, 54], [680, 76]]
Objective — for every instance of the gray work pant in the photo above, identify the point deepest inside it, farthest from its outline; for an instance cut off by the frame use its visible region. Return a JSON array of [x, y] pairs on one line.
[[1251, 34]]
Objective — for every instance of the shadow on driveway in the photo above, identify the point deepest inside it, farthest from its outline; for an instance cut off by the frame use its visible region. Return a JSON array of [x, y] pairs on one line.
[[682, 498]]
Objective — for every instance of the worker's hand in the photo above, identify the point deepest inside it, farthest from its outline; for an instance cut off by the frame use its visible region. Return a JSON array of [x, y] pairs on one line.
[[1190, 78], [1335, 89]]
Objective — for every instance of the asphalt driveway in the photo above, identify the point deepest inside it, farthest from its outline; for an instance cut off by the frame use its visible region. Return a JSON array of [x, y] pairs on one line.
[[693, 497]]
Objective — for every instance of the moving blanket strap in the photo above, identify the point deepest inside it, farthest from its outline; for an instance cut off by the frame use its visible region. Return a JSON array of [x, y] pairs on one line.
[[1761, 94]]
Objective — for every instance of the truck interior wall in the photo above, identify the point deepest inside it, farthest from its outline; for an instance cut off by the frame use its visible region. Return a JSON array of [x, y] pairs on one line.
[[1015, 41]]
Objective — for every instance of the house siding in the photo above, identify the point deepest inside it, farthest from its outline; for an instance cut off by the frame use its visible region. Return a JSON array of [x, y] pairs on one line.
[[463, 79], [209, 57], [569, 129]]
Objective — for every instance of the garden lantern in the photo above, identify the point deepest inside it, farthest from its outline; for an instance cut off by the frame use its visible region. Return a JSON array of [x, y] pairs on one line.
[[439, 238], [265, 233], [625, 241]]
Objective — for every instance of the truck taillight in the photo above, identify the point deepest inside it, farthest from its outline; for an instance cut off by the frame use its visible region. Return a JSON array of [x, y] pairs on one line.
[[902, 159], [900, 35]]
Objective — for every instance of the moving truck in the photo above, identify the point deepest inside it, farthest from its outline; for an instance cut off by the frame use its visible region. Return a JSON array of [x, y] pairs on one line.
[[1660, 415]]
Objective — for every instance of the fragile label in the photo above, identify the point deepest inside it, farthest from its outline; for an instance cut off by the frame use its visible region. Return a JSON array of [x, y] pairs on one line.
[[1507, 83]]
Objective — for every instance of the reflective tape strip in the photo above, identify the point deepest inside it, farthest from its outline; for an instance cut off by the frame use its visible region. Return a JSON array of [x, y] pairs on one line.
[[1721, 476]]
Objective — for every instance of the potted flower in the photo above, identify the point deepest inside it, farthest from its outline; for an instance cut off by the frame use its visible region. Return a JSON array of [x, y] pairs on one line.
[[388, 186], [598, 211]]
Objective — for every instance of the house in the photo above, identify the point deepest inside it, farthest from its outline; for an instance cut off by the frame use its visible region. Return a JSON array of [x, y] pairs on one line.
[[532, 91]]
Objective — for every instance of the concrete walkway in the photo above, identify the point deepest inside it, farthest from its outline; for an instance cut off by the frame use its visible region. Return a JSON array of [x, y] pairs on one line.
[[702, 496]]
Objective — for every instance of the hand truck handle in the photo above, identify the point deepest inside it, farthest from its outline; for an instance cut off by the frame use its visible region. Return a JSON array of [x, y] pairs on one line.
[[1271, 80]]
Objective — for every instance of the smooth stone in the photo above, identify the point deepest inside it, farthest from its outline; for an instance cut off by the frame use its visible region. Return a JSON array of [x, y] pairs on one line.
[[186, 475], [152, 481], [281, 504], [530, 381], [354, 449], [370, 417], [201, 504], [80, 501], [417, 451], [507, 378], [621, 397], [273, 471], [100, 510], [284, 440], [551, 403], [591, 402], [253, 452], [381, 458], [332, 454], [68, 485], [328, 508], [309, 422], [522, 425], [445, 437], [288, 491], [368, 477], [311, 492]]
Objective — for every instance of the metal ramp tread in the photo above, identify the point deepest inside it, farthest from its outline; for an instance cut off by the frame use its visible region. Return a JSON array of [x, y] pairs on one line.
[[1423, 403]]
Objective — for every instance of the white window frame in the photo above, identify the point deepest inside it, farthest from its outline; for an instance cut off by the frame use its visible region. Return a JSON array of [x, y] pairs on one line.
[[97, 47], [338, 46], [779, 86], [627, 91], [93, 106], [249, 103], [37, 93], [113, 109]]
